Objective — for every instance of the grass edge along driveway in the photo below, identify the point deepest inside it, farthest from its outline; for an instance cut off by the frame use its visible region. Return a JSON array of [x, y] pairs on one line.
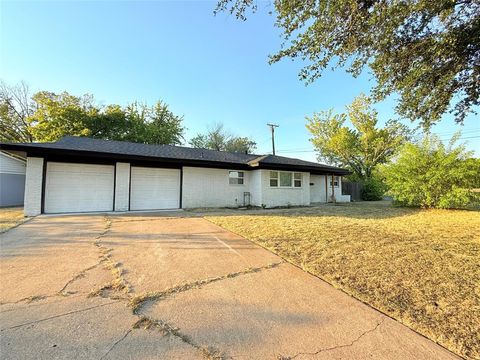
[[420, 267], [11, 217]]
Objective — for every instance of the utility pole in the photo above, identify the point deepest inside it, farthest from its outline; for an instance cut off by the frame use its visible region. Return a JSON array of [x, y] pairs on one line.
[[272, 127]]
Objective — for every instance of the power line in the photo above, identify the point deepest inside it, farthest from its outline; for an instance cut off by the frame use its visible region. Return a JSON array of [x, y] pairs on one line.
[[309, 151], [468, 131], [295, 151], [468, 137]]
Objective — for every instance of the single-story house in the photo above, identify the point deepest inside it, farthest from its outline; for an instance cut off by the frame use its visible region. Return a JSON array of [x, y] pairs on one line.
[[12, 180], [79, 174]]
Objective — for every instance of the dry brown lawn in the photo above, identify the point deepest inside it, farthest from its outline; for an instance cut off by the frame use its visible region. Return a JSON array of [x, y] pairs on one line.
[[10, 217], [420, 267]]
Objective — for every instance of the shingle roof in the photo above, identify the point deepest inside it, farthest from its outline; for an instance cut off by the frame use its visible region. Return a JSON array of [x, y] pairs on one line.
[[75, 144], [275, 159], [161, 151]]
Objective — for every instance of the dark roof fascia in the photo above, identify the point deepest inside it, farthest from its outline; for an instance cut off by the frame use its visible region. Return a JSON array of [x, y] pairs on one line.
[[49, 152], [312, 169], [43, 151]]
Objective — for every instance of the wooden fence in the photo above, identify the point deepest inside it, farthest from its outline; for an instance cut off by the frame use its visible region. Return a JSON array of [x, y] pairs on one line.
[[354, 189]]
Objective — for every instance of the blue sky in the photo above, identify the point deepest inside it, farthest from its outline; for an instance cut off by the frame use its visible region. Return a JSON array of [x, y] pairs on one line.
[[209, 68]]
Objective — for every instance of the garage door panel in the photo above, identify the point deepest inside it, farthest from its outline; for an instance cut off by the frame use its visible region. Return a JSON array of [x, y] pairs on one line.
[[78, 187], [154, 188]]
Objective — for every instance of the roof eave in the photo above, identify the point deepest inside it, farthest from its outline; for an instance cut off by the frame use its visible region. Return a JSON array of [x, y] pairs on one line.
[[52, 152], [45, 151]]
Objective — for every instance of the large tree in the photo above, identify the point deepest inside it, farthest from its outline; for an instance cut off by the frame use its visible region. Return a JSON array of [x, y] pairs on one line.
[[153, 124], [16, 106], [428, 52], [217, 138], [62, 114], [360, 147], [47, 116]]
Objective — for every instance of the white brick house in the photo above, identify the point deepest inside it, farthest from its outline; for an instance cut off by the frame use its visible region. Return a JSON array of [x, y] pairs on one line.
[[77, 174]]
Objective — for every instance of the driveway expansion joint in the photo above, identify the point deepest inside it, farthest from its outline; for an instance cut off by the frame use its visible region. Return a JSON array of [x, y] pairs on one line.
[[147, 323], [118, 283], [139, 300], [78, 276]]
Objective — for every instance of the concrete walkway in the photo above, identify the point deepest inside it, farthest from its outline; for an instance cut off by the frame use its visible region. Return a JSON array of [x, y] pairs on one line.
[[159, 287]]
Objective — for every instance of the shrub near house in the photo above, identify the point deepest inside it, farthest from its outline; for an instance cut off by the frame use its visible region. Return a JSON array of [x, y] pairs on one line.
[[432, 175]]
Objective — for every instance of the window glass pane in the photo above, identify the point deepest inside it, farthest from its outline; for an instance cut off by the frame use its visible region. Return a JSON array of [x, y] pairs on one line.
[[298, 183], [285, 179], [235, 177], [274, 182], [273, 174], [298, 176]]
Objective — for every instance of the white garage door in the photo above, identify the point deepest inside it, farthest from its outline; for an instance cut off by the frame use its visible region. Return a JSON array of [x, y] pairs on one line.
[[78, 187], [154, 188]]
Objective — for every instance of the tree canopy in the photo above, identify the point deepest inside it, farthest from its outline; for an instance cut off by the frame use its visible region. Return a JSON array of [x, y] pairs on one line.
[[427, 52], [431, 174], [217, 138], [361, 147], [47, 116], [16, 107]]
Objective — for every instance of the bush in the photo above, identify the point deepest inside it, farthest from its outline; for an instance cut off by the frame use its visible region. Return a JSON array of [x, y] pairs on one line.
[[372, 190], [432, 175]]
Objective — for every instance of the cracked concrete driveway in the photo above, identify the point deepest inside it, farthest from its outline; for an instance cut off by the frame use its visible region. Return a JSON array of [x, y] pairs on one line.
[[160, 287]]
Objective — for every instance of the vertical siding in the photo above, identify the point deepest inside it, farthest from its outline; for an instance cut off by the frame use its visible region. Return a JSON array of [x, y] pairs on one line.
[[33, 186], [12, 189], [9, 165], [122, 186]]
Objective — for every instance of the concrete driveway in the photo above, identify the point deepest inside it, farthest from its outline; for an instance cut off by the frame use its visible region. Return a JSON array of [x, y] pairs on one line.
[[159, 287]]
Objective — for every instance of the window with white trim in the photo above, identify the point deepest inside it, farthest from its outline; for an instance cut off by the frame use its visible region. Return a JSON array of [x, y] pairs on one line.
[[286, 179], [297, 180], [273, 178], [236, 177], [336, 180]]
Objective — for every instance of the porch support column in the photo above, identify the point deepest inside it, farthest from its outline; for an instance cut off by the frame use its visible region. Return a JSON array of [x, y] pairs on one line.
[[333, 189], [34, 186], [326, 188]]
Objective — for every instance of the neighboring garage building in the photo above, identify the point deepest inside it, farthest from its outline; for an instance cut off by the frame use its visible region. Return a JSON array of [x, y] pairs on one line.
[[78, 174], [12, 180]]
